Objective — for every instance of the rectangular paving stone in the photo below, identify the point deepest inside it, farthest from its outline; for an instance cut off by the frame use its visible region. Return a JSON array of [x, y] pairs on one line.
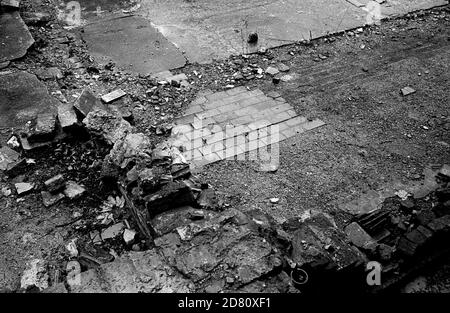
[[199, 100], [296, 120], [213, 157], [279, 117], [207, 113], [212, 148], [229, 107], [237, 90], [313, 124], [216, 96], [213, 104]]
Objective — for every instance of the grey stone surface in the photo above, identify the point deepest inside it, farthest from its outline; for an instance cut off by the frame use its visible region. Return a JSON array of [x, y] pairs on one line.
[[15, 39], [132, 43], [23, 98]]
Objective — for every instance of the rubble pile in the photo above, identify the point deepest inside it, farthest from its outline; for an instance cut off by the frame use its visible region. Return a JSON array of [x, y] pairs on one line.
[[220, 249]]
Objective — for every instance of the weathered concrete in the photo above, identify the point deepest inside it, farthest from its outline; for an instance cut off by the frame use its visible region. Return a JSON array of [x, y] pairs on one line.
[[23, 98], [15, 39], [133, 44], [209, 29]]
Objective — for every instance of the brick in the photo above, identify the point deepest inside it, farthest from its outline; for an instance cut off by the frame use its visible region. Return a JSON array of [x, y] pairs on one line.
[[425, 231], [216, 137], [213, 104], [228, 107], [406, 247], [199, 100], [212, 148], [436, 225], [193, 109], [264, 105], [416, 237], [237, 90], [283, 126], [291, 113], [279, 117], [237, 97], [242, 120], [112, 96], [292, 131], [224, 117], [214, 157], [246, 111], [259, 124], [216, 96], [251, 101], [200, 133], [296, 121], [313, 124], [185, 119], [207, 113], [199, 163]]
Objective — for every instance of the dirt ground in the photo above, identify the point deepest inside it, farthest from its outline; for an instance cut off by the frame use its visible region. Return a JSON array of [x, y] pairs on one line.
[[374, 137]]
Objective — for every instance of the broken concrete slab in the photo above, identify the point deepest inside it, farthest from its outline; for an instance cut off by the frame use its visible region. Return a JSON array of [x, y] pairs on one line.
[[272, 70], [171, 195], [55, 183], [112, 231], [66, 116], [25, 104], [358, 236], [133, 44], [50, 73], [73, 190], [44, 128], [132, 273], [23, 188], [15, 39], [14, 4], [107, 125], [218, 29], [129, 236], [131, 147], [86, 103], [48, 199], [35, 275], [8, 158]]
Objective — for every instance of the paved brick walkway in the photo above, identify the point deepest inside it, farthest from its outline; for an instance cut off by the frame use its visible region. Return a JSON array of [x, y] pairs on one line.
[[237, 124]]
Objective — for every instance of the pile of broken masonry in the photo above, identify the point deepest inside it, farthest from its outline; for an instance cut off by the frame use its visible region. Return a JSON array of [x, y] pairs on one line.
[[197, 244]]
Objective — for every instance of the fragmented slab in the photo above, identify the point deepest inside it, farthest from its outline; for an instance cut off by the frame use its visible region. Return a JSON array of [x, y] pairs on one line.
[[132, 43], [25, 104], [215, 29], [113, 95], [15, 39], [8, 158], [231, 123]]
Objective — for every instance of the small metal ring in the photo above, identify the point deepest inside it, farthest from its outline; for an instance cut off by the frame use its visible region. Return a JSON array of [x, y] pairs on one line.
[[305, 275]]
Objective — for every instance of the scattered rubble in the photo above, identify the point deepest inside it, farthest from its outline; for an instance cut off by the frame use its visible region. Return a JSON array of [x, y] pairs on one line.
[[23, 188], [112, 231], [9, 159], [112, 96], [73, 190], [35, 275], [407, 91]]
